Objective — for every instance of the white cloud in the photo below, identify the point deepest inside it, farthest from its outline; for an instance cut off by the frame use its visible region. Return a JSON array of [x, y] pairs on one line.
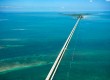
[[107, 0], [10, 7], [91, 1], [62, 7]]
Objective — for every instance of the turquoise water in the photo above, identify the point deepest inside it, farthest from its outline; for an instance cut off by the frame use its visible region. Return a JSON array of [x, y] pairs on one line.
[[30, 42]]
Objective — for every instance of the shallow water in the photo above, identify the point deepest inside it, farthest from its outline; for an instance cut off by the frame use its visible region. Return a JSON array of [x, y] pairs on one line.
[[30, 42]]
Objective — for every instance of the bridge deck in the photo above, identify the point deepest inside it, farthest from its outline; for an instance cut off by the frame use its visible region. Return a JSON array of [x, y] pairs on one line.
[[59, 58]]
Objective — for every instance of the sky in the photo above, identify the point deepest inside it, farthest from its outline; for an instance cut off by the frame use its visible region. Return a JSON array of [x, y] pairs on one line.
[[54, 5]]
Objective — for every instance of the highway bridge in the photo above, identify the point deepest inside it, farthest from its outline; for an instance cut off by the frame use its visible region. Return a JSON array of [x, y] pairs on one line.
[[54, 68]]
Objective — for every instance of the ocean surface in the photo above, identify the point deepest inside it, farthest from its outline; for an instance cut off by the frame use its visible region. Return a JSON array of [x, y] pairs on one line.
[[31, 41]]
